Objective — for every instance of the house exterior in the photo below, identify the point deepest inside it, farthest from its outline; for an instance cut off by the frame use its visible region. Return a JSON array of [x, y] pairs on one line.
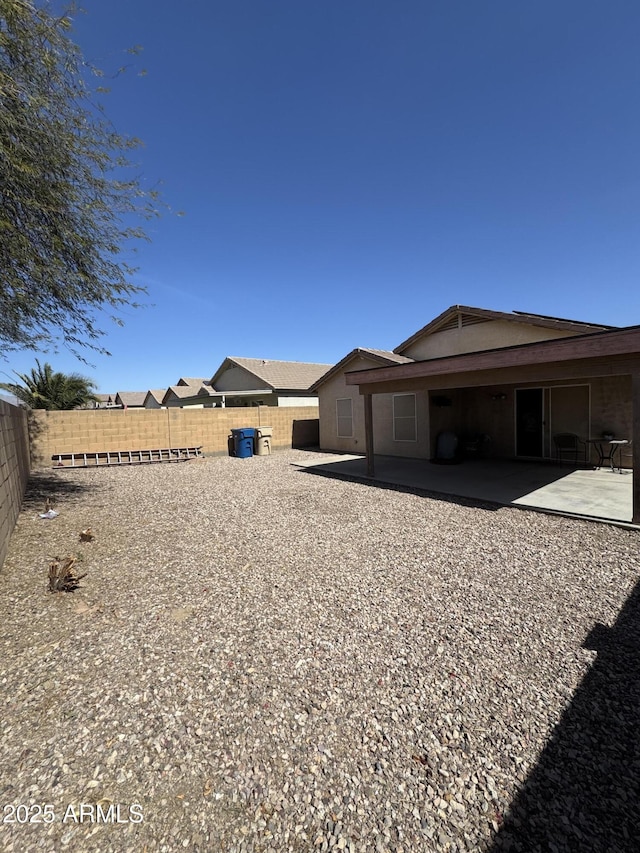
[[153, 398], [341, 406], [519, 379], [193, 396], [193, 381], [408, 420], [408, 423], [130, 399], [264, 382]]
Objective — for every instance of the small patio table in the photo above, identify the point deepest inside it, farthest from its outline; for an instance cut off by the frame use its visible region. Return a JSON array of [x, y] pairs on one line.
[[606, 449]]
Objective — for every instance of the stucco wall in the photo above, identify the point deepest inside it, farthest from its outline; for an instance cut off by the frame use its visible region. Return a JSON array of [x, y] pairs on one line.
[[14, 469], [336, 388], [480, 336], [238, 379], [145, 429]]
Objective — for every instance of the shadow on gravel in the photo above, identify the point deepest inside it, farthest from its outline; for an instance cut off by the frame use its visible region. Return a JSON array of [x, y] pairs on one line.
[[42, 485], [584, 792]]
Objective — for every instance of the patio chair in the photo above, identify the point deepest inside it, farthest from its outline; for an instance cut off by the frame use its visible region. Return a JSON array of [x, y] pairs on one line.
[[475, 445], [569, 448]]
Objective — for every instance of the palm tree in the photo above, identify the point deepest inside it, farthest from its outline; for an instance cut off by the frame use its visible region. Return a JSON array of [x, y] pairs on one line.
[[46, 389]]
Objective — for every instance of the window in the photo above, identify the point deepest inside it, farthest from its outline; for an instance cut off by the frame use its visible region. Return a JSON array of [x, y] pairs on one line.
[[344, 417], [404, 417]]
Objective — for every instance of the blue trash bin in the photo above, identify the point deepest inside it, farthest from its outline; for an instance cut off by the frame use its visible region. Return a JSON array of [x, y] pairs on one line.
[[243, 441]]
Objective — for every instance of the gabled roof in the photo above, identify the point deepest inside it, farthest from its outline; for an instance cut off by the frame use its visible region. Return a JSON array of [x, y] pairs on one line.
[[157, 394], [189, 380], [378, 356], [131, 398], [183, 392], [105, 398], [464, 315], [278, 375]]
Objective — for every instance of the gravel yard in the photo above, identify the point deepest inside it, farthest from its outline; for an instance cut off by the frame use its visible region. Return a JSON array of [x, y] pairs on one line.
[[266, 660]]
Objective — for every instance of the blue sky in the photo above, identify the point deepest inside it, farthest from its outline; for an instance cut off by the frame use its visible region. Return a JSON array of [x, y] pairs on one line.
[[350, 168]]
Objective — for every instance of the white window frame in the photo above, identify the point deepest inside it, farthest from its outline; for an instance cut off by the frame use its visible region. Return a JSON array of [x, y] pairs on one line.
[[340, 417], [405, 418]]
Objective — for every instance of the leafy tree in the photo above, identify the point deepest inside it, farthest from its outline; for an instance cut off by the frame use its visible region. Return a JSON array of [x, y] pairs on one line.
[[46, 389], [66, 203]]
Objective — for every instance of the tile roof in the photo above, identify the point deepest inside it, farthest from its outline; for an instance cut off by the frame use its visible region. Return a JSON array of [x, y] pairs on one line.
[[279, 375], [379, 357], [157, 394], [190, 380], [466, 313], [131, 398], [182, 392]]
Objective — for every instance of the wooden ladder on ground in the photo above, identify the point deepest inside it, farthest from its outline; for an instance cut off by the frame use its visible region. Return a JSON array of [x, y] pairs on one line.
[[125, 457]]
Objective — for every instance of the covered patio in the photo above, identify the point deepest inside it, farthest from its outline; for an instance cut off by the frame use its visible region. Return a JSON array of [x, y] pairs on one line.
[[604, 356], [600, 494]]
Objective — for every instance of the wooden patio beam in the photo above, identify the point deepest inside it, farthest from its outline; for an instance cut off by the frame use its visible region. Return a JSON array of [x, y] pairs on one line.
[[635, 446], [583, 369], [368, 434], [601, 347]]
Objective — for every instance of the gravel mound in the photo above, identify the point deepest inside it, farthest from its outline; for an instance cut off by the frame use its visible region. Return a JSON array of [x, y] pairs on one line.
[[261, 659]]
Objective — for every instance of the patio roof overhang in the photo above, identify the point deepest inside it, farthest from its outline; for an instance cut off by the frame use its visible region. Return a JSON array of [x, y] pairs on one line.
[[607, 353]]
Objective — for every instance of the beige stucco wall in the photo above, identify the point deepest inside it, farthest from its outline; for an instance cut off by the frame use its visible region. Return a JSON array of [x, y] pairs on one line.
[[336, 388], [480, 336], [145, 429], [14, 468], [238, 379]]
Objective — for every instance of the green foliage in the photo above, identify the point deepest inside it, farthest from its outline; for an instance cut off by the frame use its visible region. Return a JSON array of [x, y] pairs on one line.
[[67, 203], [46, 389]]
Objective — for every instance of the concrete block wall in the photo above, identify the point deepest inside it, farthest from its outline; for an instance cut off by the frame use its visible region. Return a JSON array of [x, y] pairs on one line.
[[14, 469], [95, 430]]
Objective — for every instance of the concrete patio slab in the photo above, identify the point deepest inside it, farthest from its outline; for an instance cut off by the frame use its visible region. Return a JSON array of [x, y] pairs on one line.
[[600, 494]]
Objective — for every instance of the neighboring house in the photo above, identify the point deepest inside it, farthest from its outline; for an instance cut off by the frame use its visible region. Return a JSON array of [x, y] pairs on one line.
[[263, 382], [407, 419], [153, 398], [104, 401], [193, 396], [130, 399], [518, 378], [197, 382], [341, 406]]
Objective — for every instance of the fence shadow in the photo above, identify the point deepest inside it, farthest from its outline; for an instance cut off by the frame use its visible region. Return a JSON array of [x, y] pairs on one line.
[[42, 485], [584, 792]]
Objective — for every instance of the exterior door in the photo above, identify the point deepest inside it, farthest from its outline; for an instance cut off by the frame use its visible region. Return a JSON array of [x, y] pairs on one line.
[[529, 422]]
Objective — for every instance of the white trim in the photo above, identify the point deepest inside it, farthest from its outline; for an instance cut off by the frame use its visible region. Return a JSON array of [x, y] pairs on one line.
[[404, 417], [344, 417]]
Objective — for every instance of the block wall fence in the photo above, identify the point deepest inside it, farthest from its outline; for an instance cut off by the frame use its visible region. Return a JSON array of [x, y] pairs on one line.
[[14, 469], [96, 430]]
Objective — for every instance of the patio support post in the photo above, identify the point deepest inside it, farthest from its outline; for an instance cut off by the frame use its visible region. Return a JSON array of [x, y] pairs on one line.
[[635, 436], [368, 434]]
